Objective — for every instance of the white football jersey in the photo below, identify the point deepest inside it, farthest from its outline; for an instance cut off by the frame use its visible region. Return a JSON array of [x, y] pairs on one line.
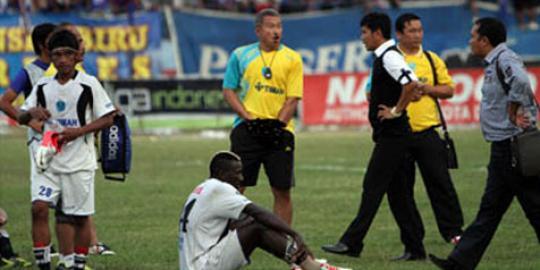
[[62, 102], [205, 219]]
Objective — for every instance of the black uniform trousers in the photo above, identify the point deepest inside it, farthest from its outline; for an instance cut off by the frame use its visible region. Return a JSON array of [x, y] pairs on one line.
[[503, 184], [428, 151], [384, 175]]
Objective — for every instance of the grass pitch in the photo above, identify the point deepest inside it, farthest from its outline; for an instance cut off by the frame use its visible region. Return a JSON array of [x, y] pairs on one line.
[[139, 218]]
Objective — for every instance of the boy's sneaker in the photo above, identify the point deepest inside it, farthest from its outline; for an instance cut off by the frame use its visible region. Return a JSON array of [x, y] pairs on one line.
[[326, 266], [101, 249], [53, 252], [6, 264], [62, 266], [20, 262]]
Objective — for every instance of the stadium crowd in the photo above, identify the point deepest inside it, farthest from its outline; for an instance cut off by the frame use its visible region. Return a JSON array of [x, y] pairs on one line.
[[524, 10]]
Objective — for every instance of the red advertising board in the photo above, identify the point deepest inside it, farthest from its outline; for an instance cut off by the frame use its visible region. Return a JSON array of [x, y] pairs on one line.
[[340, 99]]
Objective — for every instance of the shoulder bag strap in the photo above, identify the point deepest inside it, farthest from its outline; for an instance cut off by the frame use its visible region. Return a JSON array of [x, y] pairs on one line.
[[506, 87], [436, 82]]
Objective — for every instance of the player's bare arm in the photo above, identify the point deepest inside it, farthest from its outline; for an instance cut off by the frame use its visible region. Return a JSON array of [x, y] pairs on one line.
[[271, 221], [407, 95], [6, 103], [233, 100], [288, 109], [70, 134]]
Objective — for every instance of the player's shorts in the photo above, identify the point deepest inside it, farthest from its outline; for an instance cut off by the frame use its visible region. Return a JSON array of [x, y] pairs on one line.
[[226, 255], [278, 162], [76, 190], [33, 168]]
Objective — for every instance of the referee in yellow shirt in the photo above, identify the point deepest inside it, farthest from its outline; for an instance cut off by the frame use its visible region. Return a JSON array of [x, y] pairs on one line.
[[427, 148], [269, 79]]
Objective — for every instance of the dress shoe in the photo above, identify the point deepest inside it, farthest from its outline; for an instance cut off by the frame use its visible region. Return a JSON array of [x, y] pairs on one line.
[[340, 248], [444, 264], [408, 256]]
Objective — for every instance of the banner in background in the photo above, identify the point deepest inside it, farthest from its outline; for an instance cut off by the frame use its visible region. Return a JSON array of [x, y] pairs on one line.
[[340, 99], [115, 48], [174, 96], [330, 41]]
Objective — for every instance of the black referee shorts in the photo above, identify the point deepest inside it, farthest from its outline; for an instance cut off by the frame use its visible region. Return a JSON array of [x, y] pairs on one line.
[[278, 161]]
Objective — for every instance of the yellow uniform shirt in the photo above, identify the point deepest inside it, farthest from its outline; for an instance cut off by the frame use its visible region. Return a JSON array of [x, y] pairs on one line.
[[262, 97], [423, 113]]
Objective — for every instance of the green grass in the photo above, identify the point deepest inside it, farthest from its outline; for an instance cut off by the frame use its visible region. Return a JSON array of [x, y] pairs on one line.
[[139, 218], [187, 123]]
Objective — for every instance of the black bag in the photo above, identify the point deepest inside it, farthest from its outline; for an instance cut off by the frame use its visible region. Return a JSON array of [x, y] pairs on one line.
[[451, 155], [525, 146], [116, 149], [526, 153]]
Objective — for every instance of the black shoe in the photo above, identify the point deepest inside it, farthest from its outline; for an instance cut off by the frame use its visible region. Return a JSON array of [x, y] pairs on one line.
[[53, 252], [443, 263], [408, 256], [340, 248]]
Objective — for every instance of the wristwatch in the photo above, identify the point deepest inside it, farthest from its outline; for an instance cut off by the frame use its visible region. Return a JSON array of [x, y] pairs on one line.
[[394, 112]]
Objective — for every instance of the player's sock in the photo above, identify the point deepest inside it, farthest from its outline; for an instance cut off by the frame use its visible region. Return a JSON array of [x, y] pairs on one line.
[[42, 253], [80, 257], [5, 245]]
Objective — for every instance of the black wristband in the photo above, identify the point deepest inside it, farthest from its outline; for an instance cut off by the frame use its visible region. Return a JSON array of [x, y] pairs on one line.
[[24, 118]]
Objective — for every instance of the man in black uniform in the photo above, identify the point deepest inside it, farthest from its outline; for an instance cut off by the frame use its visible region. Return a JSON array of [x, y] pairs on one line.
[[393, 87]]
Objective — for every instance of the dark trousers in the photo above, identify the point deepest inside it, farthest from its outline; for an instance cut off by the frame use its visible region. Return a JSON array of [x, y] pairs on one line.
[[503, 184], [427, 150], [384, 174]]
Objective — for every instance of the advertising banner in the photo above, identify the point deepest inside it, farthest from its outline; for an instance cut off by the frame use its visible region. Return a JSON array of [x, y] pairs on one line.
[[116, 48], [340, 99], [175, 96], [330, 41]]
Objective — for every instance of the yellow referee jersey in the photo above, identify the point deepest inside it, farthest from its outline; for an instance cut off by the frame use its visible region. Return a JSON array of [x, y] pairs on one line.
[[264, 97], [423, 113]]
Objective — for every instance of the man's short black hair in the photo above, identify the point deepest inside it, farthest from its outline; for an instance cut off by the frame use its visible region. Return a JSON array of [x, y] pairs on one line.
[[403, 19], [40, 34], [378, 21], [63, 38], [259, 18], [493, 29], [222, 161]]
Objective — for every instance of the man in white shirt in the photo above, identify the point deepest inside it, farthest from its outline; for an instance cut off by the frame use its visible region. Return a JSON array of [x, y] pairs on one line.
[[220, 227], [75, 105], [393, 86]]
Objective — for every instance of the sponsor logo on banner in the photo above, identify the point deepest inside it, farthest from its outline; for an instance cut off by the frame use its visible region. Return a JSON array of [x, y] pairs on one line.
[[340, 99], [173, 96]]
